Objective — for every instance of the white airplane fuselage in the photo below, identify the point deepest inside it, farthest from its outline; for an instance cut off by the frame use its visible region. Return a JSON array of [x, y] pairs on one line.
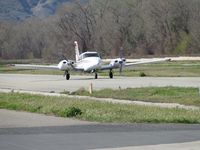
[[88, 62]]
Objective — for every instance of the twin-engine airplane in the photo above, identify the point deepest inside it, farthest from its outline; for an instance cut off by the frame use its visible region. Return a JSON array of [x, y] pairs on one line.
[[89, 62]]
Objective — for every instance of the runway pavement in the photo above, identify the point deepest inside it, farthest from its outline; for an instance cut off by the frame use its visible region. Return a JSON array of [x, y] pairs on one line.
[[57, 83], [16, 133]]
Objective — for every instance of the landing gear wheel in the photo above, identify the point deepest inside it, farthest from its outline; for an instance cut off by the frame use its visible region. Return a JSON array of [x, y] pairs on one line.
[[111, 74], [96, 75], [67, 76]]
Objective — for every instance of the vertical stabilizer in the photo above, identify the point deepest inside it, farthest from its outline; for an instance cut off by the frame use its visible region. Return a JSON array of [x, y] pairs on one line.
[[76, 50]]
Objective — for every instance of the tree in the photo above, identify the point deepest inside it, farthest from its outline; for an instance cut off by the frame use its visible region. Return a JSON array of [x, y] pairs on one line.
[[80, 21], [5, 36]]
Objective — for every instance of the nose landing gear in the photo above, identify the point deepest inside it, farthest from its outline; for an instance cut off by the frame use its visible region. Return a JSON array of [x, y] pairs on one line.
[[96, 75], [111, 74], [67, 75]]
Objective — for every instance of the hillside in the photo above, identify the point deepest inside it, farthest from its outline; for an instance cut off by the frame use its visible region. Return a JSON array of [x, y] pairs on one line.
[[21, 9]]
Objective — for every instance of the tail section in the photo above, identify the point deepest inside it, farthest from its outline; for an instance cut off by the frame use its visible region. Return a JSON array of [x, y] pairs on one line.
[[76, 50]]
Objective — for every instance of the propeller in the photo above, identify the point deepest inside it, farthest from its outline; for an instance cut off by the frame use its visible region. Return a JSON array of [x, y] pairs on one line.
[[64, 75], [120, 69], [121, 53]]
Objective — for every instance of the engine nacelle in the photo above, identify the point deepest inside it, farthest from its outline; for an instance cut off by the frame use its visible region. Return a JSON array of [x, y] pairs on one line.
[[116, 63], [64, 65]]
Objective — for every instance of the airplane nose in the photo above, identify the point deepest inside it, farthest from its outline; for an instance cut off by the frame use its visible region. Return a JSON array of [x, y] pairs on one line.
[[94, 65], [95, 62]]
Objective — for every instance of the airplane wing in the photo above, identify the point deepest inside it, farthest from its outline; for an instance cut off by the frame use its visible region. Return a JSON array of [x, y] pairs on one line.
[[36, 67], [63, 65], [154, 60], [119, 62], [107, 67]]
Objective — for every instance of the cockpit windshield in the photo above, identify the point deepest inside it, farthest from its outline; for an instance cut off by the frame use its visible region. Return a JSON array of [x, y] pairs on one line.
[[90, 55]]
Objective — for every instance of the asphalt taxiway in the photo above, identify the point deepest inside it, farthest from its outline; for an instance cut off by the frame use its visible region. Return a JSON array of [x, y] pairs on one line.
[[57, 83]]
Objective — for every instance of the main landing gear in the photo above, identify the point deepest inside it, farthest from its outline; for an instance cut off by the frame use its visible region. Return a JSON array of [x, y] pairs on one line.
[[67, 75], [96, 75], [111, 74]]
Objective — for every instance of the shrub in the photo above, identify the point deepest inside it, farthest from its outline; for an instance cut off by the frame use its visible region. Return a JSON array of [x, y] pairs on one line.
[[71, 112], [142, 74]]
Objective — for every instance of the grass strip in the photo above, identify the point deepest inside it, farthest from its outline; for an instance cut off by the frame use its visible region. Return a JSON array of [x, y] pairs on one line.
[[181, 95], [96, 111]]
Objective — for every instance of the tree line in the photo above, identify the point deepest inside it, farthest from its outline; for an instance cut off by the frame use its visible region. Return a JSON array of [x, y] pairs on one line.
[[141, 27]]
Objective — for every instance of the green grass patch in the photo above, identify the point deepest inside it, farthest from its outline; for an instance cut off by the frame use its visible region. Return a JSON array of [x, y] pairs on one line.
[[181, 95], [96, 111]]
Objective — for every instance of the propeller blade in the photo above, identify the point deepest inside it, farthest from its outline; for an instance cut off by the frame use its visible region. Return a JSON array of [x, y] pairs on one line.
[[65, 73], [120, 69], [121, 53]]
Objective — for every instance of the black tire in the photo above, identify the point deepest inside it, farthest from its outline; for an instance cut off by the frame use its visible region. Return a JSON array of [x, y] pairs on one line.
[[67, 76], [96, 76], [110, 74]]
